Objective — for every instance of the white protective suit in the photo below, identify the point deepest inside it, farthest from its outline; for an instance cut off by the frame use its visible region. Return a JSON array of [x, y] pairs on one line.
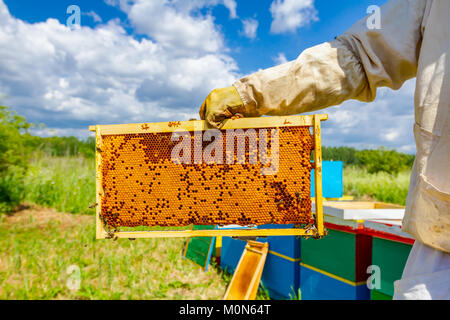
[[413, 41]]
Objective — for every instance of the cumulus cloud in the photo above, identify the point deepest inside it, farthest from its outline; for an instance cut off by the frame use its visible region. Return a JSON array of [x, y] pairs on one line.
[[231, 6], [173, 28], [250, 27], [177, 25], [94, 16], [280, 58], [69, 79], [388, 121], [289, 15]]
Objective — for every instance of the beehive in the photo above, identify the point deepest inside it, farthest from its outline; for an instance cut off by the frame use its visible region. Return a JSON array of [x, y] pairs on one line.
[[141, 184]]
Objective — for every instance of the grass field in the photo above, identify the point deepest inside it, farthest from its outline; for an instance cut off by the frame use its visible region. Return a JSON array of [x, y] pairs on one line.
[[44, 253], [377, 186], [66, 184]]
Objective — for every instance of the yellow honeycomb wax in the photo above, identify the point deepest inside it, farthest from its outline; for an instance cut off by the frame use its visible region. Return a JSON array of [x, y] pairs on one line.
[[143, 186]]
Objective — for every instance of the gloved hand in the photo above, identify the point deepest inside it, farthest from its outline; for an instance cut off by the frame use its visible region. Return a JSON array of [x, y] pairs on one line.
[[221, 104]]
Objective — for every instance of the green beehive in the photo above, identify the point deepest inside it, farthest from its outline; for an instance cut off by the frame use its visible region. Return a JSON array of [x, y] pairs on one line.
[[199, 249], [390, 256]]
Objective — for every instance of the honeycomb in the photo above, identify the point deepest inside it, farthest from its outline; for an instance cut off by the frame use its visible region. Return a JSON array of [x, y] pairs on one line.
[[143, 186]]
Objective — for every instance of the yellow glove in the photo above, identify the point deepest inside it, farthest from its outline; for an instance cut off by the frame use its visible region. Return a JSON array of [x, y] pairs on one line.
[[221, 104]]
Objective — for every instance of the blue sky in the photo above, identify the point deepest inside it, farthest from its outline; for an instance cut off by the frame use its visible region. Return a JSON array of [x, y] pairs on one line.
[[156, 60]]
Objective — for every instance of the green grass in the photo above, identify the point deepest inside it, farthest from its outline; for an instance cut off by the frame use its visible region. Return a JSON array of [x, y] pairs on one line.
[[38, 247], [379, 186], [64, 183]]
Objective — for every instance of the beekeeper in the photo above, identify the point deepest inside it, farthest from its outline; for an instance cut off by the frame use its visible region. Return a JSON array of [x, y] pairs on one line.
[[413, 41]]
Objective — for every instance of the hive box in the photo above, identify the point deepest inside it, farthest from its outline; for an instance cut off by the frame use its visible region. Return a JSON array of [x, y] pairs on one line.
[[332, 180], [281, 276], [391, 257], [316, 285], [390, 251], [335, 267]]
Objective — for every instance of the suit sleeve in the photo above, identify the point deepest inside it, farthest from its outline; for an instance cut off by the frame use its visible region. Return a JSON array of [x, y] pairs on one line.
[[352, 66]]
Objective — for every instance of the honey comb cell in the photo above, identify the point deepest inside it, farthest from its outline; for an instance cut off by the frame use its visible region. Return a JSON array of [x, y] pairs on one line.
[[143, 186]]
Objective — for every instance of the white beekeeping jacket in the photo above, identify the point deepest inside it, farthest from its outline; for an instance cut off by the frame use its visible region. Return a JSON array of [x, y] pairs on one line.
[[414, 41]]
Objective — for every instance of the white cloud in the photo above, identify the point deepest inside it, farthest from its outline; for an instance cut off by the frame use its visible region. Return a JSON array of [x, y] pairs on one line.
[[388, 121], [391, 134], [289, 15], [69, 79], [178, 25], [94, 16], [280, 58], [250, 26], [173, 28], [231, 6]]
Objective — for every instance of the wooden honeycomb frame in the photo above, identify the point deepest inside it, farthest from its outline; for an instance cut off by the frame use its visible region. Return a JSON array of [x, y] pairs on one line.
[[315, 230]]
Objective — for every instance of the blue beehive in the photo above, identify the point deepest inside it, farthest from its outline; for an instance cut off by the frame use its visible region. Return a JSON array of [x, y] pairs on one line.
[[231, 252], [332, 180], [319, 286], [281, 272]]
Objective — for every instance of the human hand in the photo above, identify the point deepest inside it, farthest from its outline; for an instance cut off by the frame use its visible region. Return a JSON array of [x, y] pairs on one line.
[[221, 104]]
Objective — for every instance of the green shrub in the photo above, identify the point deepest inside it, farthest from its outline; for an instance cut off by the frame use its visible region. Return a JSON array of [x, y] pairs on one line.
[[374, 160], [62, 146], [11, 188], [382, 160], [346, 154], [12, 130], [14, 158]]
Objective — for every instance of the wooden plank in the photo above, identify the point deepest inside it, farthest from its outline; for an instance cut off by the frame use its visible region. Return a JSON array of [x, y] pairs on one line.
[[245, 282], [362, 205], [214, 233], [382, 205], [393, 228], [362, 210], [200, 125], [99, 230], [318, 174], [218, 246], [361, 214]]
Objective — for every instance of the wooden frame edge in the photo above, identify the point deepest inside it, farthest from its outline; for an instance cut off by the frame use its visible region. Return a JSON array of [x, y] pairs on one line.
[[318, 175], [214, 233], [100, 232], [201, 125]]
